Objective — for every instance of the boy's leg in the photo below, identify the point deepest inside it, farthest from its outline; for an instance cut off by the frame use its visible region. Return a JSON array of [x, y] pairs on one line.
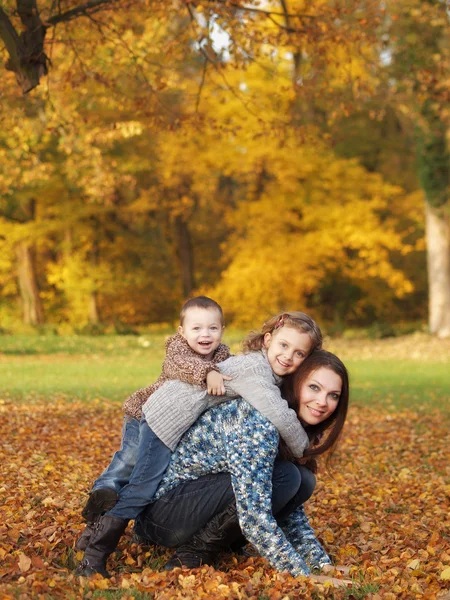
[[153, 458]]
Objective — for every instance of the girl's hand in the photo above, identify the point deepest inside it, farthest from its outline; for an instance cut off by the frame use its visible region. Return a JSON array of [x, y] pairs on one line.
[[333, 580], [214, 383]]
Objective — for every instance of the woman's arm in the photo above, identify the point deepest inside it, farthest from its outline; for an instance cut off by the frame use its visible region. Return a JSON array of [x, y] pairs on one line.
[[301, 535], [250, 458]]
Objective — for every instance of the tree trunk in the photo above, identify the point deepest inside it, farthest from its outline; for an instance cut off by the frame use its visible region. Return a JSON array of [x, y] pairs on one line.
[[434, 175], [31, 303], [438, 259], [93, 314], [185, 255]]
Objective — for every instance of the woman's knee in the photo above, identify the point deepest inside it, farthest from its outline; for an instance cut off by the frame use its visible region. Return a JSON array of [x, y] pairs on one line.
[[286, 482], [308, 482]]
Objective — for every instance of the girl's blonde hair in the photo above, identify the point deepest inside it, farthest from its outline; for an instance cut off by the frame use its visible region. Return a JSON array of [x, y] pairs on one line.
[[297, 320]]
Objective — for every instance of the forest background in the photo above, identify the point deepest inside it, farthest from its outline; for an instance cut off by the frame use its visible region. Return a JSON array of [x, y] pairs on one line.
[[272, 155]]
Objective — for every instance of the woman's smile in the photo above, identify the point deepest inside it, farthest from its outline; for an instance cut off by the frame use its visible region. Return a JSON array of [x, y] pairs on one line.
[[319, 395]]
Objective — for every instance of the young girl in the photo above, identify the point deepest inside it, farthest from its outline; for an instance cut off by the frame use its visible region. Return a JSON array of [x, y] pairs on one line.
[[278, 350]]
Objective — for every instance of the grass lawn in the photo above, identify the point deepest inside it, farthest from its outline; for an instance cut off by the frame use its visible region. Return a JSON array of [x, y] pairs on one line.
[[409, 372]]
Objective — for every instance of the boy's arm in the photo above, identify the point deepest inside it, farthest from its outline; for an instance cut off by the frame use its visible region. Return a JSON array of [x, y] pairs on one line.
[[255, 384], [184, 364]]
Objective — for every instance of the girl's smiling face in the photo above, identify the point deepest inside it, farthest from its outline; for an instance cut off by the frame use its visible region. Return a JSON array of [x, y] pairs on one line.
[[286, 349], [319, 395]]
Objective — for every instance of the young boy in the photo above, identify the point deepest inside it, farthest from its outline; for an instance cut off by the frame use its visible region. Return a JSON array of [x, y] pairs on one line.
[[190, 355]]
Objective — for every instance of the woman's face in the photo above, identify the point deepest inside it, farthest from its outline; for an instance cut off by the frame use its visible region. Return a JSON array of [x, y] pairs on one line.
[[319, 395]]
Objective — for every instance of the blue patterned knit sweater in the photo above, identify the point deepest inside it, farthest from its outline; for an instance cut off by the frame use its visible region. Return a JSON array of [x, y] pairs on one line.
[[236, 438]]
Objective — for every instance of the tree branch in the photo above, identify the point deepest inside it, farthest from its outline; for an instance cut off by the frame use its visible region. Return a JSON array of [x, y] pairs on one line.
[[82, 10], [10, 37], [26, 51]]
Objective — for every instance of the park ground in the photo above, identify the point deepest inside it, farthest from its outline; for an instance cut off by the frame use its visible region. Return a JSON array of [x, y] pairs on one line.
[[383, 511]]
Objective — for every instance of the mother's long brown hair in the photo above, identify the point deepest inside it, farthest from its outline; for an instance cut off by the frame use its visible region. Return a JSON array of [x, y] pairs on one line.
[[324, 436]]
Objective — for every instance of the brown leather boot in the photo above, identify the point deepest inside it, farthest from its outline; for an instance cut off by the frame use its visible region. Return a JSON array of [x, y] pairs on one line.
[[103, 542]]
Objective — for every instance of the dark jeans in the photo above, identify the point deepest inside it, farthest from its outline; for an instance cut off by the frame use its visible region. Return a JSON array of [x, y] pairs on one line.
[[174, 518]]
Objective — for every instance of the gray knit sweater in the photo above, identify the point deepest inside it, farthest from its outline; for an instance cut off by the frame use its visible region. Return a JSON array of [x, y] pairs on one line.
[[175, 406]]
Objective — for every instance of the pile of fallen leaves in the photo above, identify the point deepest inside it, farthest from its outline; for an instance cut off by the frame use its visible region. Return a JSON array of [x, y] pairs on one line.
[[384, 512]]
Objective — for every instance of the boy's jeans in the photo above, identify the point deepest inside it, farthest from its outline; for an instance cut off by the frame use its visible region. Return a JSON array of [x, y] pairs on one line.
[[117, 473], [153, 458]]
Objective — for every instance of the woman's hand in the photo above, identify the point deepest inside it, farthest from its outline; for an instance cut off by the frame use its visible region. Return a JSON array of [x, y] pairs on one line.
[[214, 383], [332, 569], [333, 580]]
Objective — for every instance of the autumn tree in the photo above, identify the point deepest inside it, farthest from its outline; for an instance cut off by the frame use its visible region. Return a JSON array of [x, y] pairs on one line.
[[418, 53]]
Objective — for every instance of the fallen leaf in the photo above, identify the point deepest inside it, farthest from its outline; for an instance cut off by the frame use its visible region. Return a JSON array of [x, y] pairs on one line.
[[24, 562]]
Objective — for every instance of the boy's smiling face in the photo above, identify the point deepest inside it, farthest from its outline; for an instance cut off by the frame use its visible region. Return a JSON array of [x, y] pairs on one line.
[[202, 329]]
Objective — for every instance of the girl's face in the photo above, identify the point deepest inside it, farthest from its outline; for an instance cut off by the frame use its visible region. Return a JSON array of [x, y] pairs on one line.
[[286, 349], [319, 396]]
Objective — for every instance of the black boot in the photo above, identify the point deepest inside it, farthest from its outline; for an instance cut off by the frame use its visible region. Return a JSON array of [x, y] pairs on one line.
[[203, 547], [108, 531], [99, 502], [83, 541]]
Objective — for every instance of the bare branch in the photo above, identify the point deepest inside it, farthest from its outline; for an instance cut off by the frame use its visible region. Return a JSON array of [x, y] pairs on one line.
[[263, 11], [84, 9]]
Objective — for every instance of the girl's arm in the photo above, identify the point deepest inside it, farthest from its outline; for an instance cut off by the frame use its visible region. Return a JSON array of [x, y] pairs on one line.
[[301, 535], [253, 380], [250, 460], [184, 364]]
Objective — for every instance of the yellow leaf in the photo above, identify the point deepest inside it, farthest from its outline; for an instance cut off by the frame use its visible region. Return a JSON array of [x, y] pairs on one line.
[[414, 564], [445, 574], [24, 562]]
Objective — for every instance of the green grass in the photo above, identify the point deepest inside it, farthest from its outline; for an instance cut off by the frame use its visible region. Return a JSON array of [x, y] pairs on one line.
[[113, 366], [400, 384]]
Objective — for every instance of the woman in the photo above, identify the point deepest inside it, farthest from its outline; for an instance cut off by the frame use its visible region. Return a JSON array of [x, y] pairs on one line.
[[201, 518]]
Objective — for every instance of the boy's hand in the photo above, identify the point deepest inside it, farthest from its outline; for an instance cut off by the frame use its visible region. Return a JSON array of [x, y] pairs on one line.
[[214, 383]]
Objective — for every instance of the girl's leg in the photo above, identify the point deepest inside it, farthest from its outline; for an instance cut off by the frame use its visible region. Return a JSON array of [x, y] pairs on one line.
[[104, 492], [153, 458], [117, 473]]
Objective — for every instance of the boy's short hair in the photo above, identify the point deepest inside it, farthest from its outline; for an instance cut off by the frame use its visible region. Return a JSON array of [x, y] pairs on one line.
[[201, 302]]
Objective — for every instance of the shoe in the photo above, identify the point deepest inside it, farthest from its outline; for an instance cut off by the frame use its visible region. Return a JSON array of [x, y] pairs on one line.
[[204, 546], [99, 502], [103, 542], [83, 541]]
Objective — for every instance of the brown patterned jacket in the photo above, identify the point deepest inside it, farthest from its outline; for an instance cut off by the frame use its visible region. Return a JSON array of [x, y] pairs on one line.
[[181, 363]]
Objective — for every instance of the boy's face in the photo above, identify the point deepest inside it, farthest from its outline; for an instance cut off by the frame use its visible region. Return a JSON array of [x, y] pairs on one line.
[[202, 329]]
